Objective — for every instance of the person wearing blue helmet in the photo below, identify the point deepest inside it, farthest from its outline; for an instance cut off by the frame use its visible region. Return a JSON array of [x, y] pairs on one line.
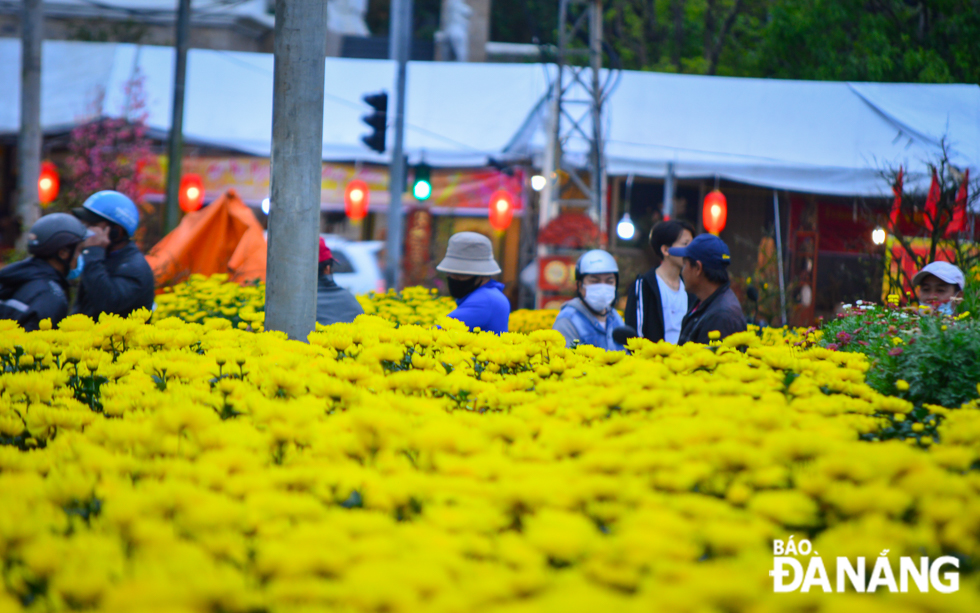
[[116, 278]]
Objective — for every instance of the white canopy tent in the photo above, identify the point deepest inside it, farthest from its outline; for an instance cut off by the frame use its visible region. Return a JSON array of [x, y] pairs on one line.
[[807, 136], [817, 137], [457, 114]]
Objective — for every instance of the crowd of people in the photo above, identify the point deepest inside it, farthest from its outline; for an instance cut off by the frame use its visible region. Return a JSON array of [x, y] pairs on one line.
[[93, 244], [687, 297]]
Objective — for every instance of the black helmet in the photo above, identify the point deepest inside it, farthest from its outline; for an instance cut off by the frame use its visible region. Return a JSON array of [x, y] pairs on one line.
[[52, 232]]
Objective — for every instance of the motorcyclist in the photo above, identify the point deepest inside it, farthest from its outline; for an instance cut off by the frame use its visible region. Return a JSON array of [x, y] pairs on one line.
[[37, 288], [116, 278]]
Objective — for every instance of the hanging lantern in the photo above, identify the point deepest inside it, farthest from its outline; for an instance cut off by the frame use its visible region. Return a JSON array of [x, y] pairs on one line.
[[715, 212], [48, 183], [191, 193], [356, 200], [501, 210]]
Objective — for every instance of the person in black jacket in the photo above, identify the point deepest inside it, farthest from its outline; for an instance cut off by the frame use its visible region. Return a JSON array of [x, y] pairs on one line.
[[705, 274], [333, 303], [658, 300], [37, 288], [117, 278]]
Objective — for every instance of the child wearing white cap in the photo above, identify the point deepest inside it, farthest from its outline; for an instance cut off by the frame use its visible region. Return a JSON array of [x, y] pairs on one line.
[[939, 285]]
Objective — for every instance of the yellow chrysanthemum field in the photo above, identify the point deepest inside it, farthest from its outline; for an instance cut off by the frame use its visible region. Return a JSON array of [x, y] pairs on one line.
[[387, 466]]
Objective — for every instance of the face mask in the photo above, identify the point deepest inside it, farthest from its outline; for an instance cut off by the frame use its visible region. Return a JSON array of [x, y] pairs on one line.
[[600, 296], [76, 272], [461, 289], [945, 308]]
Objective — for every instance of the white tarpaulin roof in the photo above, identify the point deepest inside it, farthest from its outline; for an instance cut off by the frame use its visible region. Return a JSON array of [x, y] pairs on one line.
[[457, 114], [820, 137], [807, 136]]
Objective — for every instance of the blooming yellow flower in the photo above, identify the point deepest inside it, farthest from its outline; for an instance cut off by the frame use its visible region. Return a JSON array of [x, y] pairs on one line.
[[403, 462]]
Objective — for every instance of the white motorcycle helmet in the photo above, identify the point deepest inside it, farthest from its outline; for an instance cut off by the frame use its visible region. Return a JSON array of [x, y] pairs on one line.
[[596, 262]]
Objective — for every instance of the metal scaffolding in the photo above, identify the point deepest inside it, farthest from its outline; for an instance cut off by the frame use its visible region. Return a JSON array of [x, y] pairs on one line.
[[578, 92]]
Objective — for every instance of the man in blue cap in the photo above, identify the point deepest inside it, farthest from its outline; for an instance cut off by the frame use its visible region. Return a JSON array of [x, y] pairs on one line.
[[705, 275], [116, 278]]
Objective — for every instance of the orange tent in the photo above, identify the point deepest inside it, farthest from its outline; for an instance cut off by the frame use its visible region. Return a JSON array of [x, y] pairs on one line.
[[223, 237]]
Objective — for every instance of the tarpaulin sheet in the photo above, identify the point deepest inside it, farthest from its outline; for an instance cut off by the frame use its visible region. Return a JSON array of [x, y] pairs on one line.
[[223, 237], [806, 136]]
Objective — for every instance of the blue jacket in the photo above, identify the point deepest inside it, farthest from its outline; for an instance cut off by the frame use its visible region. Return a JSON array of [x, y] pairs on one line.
[[577, 323], [485, 308]]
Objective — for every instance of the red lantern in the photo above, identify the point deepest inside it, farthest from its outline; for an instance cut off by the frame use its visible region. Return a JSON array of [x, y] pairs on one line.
[[191, 193], [715, 212], [356, 198], [48, 183], [501, 209]]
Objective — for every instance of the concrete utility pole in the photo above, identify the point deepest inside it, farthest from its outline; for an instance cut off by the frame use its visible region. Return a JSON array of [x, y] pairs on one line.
[[176, 148], [297, 154], [399, 48], [29, 143]]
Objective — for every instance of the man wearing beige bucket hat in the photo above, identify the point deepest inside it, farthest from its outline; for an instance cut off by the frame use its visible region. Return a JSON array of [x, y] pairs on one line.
[[480, 301]]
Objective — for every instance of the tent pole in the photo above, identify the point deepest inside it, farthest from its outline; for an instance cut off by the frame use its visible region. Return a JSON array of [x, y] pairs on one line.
[[668, 212], [779, 256], [297, 167]]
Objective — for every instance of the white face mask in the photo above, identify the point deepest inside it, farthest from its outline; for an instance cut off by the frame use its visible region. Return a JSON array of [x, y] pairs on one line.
[[599, 296], [945, 308]]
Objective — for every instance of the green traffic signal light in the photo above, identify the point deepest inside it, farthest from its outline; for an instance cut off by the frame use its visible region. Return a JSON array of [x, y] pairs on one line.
[[422, 184]]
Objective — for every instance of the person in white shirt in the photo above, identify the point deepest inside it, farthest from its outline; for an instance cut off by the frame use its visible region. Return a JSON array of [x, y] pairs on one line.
[[658, 300]]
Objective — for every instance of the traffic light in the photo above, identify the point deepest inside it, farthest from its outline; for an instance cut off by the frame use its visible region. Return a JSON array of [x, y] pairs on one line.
[[422, 184], [356, 200], [377, 121]]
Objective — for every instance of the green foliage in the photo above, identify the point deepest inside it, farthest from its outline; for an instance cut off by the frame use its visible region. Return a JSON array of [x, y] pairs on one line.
[[939, 357], [861, 40], [884, 40], [425, 15], [919, 424]]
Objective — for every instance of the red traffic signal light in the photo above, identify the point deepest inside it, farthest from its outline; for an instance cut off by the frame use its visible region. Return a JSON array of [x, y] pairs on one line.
[[191, 193], [356, 198], [501, 209], [48, 183], [377, 121], [715, 212]]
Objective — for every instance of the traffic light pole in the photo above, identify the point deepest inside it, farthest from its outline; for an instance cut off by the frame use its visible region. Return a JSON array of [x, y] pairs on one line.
[[400, 42], [297, 154], [29, 141], [175, 153]]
